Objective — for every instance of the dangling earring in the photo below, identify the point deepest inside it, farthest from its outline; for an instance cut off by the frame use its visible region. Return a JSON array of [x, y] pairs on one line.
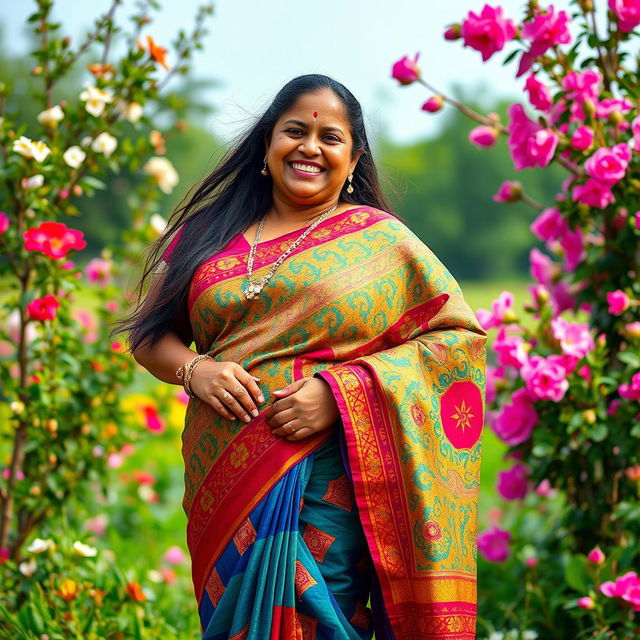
[[264, 171], [350, 187]]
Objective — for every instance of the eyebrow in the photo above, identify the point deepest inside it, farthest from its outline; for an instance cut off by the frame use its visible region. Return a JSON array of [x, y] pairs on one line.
[[304, 124]]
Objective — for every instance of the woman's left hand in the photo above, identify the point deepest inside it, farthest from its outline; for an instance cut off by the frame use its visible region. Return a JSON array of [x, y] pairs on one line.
[[302, 408]]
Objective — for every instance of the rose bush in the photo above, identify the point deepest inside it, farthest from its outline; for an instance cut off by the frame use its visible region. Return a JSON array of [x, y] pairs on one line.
[[561, 560], [64, 379]]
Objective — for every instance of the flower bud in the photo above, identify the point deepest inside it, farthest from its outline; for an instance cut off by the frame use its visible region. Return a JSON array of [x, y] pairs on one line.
[[596, 556], [633, 473], [589, 108], [586, 603], [531, 562], [35, 490], [589, 416], [433, 104], [453, 32]]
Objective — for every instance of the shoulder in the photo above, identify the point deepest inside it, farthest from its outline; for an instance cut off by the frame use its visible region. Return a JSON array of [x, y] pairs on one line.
[[379, 220]]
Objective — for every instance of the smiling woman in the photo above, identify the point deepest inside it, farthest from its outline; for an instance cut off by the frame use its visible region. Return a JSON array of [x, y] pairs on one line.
[[332, 439]]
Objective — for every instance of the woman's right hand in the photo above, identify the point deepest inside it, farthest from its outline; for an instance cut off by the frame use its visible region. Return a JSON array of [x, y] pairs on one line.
[[228, 388]]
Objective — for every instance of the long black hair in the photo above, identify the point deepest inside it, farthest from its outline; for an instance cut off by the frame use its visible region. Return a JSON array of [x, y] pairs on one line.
[[228, 201]]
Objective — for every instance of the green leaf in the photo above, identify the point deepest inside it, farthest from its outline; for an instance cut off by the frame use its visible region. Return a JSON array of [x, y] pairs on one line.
[[630, 358], [575, 574], [635, 431], [598, 432]]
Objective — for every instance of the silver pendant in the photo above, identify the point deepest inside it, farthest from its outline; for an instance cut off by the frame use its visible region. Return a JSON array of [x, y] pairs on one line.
[[252, 290]]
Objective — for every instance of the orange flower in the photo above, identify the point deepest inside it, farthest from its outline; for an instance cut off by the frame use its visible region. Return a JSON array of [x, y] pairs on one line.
[[157, 140], [134, 591], [157, 53], [98, 596], [100, 69], [68, 590]]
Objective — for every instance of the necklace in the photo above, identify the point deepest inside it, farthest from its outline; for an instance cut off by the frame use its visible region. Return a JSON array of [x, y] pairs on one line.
[[253, 288]]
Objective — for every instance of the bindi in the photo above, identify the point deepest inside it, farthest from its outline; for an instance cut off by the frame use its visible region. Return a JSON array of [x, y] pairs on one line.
[[315, 116]]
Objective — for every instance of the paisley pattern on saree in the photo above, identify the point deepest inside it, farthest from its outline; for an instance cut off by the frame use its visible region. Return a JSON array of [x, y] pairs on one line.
[[364, 304]]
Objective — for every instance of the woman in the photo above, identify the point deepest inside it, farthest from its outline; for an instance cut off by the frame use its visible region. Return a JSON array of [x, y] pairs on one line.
[[331, 443]]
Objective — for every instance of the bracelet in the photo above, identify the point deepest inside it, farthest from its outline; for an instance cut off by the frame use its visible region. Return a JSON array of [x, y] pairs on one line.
[[185, 372]]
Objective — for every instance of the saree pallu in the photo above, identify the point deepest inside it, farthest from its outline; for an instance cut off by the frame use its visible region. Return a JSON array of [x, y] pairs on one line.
[[366, 306]]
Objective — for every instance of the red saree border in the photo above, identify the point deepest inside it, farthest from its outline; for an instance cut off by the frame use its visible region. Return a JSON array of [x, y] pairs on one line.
[[245, 472], [411, 605]]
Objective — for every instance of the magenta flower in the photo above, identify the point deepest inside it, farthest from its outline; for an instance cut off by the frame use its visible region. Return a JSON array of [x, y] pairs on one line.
[[539, 94], [627, 12], [635, 129], [405, 70], [44, 308], [510, 349], [583, 85], [593, 193], [542, 268], [501, 311], [483, 136], [607, 106], [631, 391], [609, 165], [99, 271], [582, 138], [4, 222], [575, 337], [618, 302], [595, 556], [153, 419], [546, 30], [174, 555], [573, 244], [586, 603], [529, 143], [626, 586], [549, 225], [487, 32], [493, 544], [545, 378], [512, 484], [516, 421], [433, 104], [509, 191], [453, 32]]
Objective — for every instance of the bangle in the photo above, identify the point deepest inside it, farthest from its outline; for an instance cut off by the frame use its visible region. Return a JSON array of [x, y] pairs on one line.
[[185, 372]]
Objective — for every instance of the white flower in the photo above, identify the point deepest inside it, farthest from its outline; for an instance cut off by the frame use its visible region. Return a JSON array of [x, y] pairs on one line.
[[497, 635], [28, 568], [40, 546], [104, 143], [12, 327], [34, 182], [30, 149], [529, 634], [17, 407], [155, 576], [74, 156], [158, 224], [132, 111], [51, 117], [162, 171], [95, 99], [84, 549], [86, 141]]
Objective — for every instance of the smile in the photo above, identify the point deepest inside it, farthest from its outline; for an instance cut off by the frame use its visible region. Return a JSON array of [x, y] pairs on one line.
[[302, 169]]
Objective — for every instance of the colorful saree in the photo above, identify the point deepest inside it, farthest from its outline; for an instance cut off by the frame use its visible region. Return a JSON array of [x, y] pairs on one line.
[[287, 538]]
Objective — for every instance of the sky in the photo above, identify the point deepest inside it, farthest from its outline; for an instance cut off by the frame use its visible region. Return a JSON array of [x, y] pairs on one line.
[[255, 46]]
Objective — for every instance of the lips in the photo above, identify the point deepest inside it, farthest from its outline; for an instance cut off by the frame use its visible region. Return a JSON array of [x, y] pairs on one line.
[[309, 164]]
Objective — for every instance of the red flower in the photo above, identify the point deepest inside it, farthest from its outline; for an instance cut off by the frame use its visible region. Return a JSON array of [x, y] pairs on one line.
[[54, 239], [43, 308], [405, 70], [134, 591]]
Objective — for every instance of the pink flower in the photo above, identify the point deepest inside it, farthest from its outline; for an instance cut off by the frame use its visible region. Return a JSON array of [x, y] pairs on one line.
[[492, 377], [487, 32], [143, 477], [483, 136], [586, 603], [501, 311], [54, 239], [626, 586], [153, 419], [4, 222], [607, 106], [545, 378], [545, 490], [531, 562], [618, 302], [97, 525], [433, 104], [631, 330], [539, 94], [596, 556], [493, 544], [635, 129], [529, 143], [575, 338], [174, 555], [546, 30], [609, 165], [453, 32], [542, 268], [512, 484], [583, 85], [99, 271], [42, 309], [549, 225], [516, 421], [582, 138], [405, 70], [573, 244], [509, 191], [510, 349], [633, 473], [4, 554], [627, 12], [585, 373], [115, 460], [594, 194], [631, 391]]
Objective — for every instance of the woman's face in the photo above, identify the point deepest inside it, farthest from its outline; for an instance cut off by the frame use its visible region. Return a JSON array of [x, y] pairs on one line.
[[314, 131]]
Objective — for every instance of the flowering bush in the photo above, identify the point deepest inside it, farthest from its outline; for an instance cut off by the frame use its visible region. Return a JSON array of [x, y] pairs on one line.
[[565, 389], [63, 377]]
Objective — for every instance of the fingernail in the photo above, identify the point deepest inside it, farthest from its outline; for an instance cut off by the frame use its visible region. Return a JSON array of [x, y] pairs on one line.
[[255, 377], [247, 418], [260, 398], [254, 412]]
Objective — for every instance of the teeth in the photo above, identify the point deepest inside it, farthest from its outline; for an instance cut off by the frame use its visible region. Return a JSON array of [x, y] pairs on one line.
[[305, 167]]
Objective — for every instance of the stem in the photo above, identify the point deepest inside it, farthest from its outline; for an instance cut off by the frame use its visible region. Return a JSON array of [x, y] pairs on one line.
[[44, 40], [531, 202], [109, 28]]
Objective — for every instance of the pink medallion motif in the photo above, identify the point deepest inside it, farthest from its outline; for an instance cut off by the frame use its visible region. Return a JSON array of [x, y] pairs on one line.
[[461, 412]]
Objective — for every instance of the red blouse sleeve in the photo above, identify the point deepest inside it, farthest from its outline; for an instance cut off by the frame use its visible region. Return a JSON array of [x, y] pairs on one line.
[[166, 255]]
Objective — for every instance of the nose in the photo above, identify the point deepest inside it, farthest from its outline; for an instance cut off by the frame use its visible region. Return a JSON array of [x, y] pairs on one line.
[[310, 145]]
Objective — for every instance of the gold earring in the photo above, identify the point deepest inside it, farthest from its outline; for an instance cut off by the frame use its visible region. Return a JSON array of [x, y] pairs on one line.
[[350, 187], [264, 171]]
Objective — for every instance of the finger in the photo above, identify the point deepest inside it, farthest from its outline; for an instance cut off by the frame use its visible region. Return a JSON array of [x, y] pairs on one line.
[[233, 405], [244, 398], [301, 434], [252, 387], [221, 409], [281, 418], [287, 429]]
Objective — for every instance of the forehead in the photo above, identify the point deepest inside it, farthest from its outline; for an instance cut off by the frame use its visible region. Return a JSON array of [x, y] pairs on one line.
[[323, 102]]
